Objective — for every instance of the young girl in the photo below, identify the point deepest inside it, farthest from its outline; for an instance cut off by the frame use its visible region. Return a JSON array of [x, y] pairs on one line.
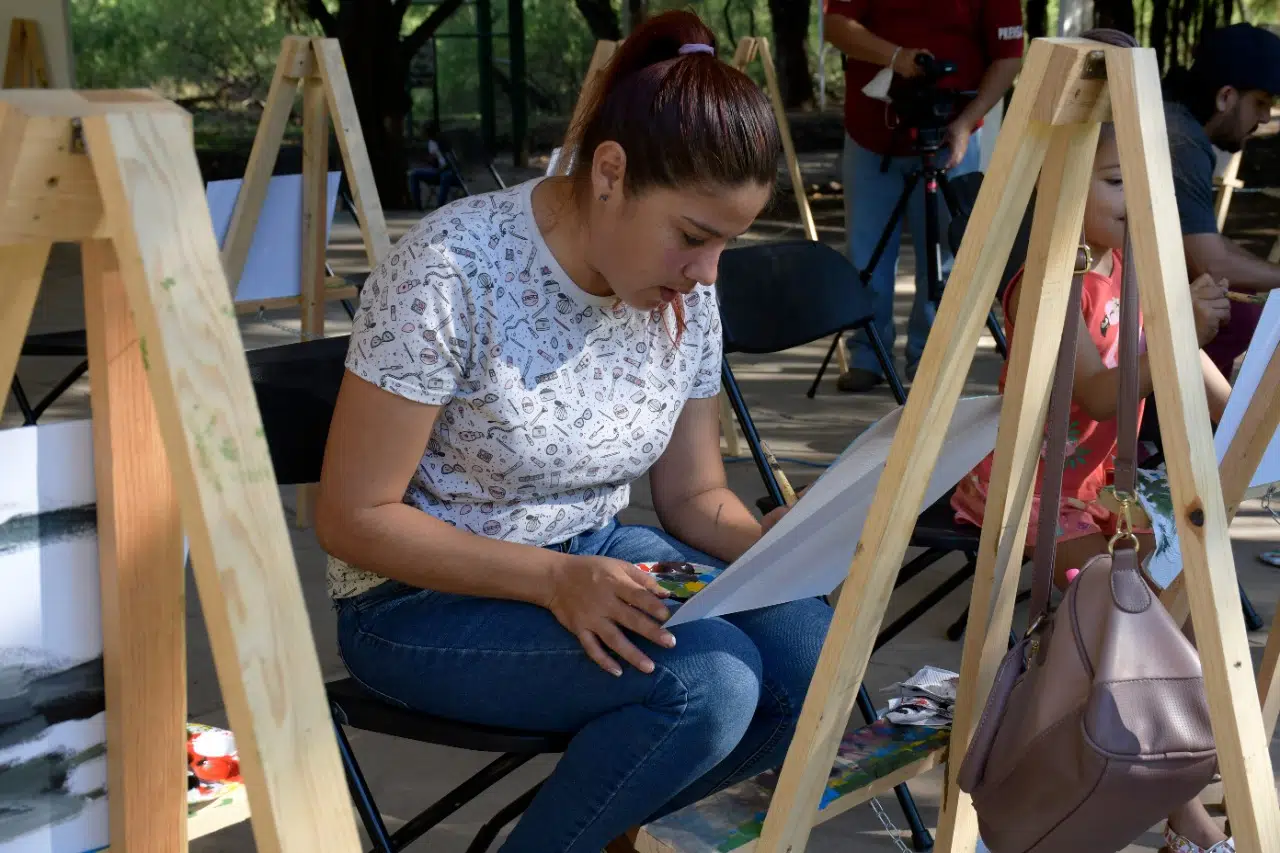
[[1084, 527], [518, 360]]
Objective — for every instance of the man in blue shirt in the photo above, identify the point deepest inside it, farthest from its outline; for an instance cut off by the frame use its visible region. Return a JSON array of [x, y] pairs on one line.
[[1220, 101]]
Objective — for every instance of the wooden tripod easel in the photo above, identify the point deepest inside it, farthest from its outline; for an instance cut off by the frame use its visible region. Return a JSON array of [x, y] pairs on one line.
[[178, 445], [315, 65], [1067, 88], [24, 64]]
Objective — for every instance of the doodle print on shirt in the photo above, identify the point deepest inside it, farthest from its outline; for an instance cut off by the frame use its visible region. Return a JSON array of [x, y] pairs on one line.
[[553, 400]]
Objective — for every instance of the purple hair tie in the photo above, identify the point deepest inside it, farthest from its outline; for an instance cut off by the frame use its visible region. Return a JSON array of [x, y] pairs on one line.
[[696, 48]]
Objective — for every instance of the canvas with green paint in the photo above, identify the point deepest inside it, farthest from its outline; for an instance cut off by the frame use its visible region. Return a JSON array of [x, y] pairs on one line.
[[1152, 485], [734, 817]]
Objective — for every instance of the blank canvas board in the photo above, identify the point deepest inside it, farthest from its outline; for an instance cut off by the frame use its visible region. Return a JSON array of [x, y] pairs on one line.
[[1256, 359], [273, 268], [809, 550], [53, 739]]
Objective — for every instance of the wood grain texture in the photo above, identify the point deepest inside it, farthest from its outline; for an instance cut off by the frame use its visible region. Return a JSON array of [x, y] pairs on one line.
[[1042, 309], [315, 191], [140, 559], [355, 156], [1134, 83], [23, 266], [900, 493], [262, 159], [244, 564]]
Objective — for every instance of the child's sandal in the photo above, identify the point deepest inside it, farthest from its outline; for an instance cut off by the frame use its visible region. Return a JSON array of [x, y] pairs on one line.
[[1175, 843]]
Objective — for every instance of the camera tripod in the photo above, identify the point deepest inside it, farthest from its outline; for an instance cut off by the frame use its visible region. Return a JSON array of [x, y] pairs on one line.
[[935, 179]]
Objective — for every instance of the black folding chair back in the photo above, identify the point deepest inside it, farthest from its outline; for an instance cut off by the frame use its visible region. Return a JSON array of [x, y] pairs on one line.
[[776, 296], [296, 386]]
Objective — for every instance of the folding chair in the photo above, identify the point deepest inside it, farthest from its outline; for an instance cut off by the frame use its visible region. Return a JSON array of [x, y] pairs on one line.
[[296, 386]]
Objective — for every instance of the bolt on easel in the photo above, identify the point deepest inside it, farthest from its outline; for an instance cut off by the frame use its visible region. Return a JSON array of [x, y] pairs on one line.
[[178, 446], [1068, 87]]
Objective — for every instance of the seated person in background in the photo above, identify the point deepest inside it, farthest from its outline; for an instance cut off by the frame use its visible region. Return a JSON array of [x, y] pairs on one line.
[[437, 170], [1084, 526], [514, 366], [1220, 101]]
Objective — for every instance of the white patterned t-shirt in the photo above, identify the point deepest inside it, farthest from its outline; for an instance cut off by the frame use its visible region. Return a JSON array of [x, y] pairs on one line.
[[553, 400]]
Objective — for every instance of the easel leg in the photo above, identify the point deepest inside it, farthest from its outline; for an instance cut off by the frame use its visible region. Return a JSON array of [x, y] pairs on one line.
[[1208, 563], [900, 493], [244, 564], [140, 553], [1042, 308], [23, 266], [315, 179]]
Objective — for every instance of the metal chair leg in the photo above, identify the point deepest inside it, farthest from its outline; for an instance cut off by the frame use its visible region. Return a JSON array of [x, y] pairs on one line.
[[822, 369], [484, 838], [921, 840], [24, 405], [886, 363], [993, 326], [365, 806], [1252, 620]]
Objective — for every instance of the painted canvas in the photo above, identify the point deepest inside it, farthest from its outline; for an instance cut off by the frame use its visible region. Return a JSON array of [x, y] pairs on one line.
[[53, 742]]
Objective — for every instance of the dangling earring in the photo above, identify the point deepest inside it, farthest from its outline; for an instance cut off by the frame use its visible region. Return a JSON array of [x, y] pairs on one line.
[[604, 196]]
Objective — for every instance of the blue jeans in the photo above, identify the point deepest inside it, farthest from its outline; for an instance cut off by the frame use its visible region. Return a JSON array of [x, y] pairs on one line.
[[720, 707], [425, 175], [869, 199]]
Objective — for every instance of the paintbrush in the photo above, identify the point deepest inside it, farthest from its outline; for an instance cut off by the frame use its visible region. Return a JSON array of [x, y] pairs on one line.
[[1247, 298], [784, 485]]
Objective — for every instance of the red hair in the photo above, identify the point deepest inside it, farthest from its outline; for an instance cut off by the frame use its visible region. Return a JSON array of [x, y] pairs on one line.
[[683, 119]]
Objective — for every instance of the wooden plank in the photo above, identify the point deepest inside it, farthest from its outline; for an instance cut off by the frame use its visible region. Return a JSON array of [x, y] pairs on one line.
[[1226, 186], [53, 195], [141, 563], [52, 18], [25, 66], [871, 761], [315, 179], [262, 159], [355, 156], [1208, 563], [23, 267], [788, 147], [912, 457], [244, 563], [1042, 307]]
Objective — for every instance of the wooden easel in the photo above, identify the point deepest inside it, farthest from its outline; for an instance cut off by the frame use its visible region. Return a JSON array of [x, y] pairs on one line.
[[751, 48], [178, 445], [1067, 88], [316, 66], [24, 64]]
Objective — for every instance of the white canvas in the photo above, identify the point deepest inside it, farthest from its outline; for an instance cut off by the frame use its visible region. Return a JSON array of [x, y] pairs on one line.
[[53, 766], [1256, 359], [273, 268], [808, 552]]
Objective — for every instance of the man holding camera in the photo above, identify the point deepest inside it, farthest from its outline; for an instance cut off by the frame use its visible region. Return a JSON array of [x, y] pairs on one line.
[[889, 43]]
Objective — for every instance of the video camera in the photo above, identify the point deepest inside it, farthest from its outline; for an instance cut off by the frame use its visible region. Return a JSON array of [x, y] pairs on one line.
[[923, 106]]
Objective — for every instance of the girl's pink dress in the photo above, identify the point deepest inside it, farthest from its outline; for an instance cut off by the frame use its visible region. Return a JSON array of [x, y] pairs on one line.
[[1091, 445]]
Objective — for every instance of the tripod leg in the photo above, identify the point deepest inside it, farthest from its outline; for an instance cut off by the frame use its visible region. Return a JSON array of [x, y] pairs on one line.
[[894, 218]]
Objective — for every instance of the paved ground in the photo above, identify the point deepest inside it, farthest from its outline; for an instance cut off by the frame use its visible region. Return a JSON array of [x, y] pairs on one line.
[[807, 433]]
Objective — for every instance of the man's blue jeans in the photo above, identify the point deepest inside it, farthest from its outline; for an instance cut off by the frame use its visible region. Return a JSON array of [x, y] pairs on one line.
[[869, 198], [446, 179], [720, 707]]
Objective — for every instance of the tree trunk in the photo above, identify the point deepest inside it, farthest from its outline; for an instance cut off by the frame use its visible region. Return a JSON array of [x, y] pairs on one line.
[[601, 18], [1037, 18], [790, 34], [1159, 35], [369, 33]]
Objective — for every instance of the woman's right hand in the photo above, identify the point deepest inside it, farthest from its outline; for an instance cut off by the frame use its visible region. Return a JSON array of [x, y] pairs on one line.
[[1210, 307], [594, 598]]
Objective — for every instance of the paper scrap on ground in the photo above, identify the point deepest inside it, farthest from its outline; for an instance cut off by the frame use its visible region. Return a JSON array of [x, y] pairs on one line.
[[927, 698], [808, 552], [1256, 359]]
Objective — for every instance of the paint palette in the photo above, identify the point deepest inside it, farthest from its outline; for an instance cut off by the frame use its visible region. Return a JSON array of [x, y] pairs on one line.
[[681, 579]]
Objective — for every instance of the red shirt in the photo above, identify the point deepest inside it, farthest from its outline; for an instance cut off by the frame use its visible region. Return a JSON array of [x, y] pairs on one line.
[[970, 33]]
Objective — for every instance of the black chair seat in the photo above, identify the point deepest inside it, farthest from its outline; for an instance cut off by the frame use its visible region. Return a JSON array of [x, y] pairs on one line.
[[355, 706], [937, 528], [70, 343]]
